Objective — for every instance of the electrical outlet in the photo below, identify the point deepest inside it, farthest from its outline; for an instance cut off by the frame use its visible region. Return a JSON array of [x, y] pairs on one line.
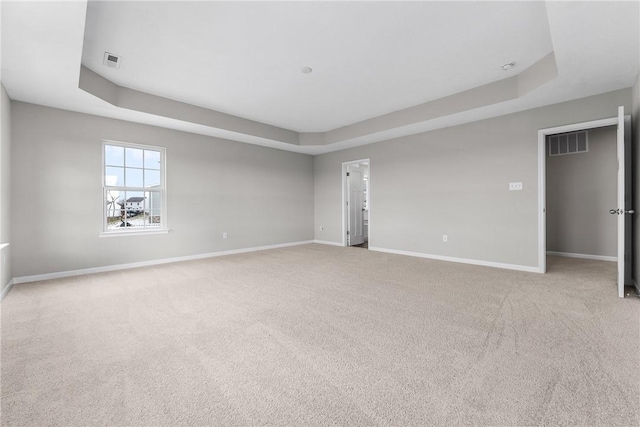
[[515, 186], [224, 234], [445, 238]]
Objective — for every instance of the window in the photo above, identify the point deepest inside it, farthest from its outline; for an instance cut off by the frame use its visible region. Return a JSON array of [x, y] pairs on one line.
[[133, 188]]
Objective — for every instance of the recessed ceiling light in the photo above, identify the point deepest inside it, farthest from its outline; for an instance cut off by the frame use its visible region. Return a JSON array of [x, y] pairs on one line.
[[508, 66], [306, 70]]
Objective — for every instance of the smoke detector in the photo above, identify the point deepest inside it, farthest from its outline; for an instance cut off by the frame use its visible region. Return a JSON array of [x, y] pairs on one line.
[[111, 60]]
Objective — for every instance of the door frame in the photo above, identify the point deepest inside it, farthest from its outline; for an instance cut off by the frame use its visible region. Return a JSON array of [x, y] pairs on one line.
[[345, 197], [542, 184]]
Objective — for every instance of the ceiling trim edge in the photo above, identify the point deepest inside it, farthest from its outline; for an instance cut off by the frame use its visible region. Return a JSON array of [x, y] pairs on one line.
[[245, 130]]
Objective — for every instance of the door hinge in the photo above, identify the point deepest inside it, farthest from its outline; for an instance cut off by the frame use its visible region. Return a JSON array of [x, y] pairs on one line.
[[347, 232], [347, 173]]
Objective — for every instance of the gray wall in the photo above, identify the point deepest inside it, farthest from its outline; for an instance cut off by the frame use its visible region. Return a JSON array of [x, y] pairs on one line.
[[5, 187], [454, 181], [581, 188], [450, 181], [260, 196]]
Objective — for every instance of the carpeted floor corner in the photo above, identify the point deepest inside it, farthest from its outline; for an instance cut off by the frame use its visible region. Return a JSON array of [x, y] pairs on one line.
[[298, 336]]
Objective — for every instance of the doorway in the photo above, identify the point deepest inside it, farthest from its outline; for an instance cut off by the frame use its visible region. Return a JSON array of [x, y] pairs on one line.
[[581, 188], [356, 206], [622, 209]]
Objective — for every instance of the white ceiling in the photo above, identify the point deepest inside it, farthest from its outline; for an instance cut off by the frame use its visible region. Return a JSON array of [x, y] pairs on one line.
[[369, 58]]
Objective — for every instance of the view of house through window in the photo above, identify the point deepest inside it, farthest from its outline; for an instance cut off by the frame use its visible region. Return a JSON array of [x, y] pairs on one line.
[[133, 187]]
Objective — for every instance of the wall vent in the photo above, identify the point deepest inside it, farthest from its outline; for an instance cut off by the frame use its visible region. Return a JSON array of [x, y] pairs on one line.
[[568, 143], [111, 60]]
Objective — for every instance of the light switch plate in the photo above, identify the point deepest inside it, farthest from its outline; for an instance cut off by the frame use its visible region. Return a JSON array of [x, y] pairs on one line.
[[515, 186]]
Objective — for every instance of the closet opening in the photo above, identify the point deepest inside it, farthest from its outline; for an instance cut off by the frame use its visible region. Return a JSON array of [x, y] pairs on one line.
[[356, 190]]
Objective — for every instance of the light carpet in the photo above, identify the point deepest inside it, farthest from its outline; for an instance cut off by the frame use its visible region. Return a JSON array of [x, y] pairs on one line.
[[322, 335]]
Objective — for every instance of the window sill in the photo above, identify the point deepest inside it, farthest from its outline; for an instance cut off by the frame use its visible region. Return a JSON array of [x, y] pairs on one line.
[[134, 232]]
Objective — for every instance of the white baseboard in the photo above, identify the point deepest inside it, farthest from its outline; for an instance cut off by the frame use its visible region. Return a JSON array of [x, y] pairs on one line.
[[583, 256], [326, 242], [70, 273], [6, 289], [460, 260]]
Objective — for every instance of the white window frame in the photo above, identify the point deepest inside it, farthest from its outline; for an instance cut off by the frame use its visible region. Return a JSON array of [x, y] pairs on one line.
[[162, 189]]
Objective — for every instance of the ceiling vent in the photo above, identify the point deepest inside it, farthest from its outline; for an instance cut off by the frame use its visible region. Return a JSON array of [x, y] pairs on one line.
[[111, 60]]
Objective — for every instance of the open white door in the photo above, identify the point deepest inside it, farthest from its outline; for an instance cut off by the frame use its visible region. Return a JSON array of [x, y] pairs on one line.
[[624, 209], [355, 187], [624, 206], [621, 207]]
